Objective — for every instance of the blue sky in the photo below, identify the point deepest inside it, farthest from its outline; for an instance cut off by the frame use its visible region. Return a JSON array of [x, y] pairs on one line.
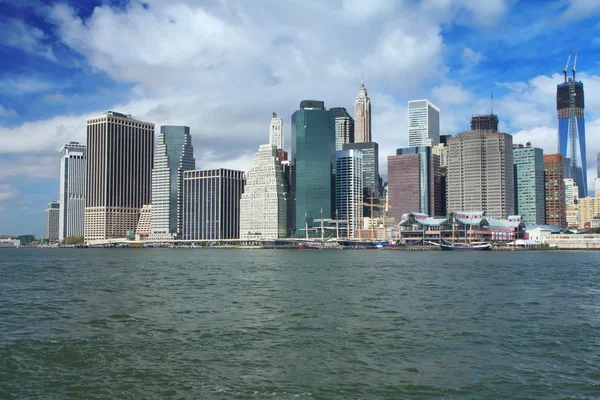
[[222, 67]]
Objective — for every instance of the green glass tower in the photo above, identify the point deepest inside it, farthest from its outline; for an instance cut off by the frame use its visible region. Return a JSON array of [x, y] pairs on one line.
[[313, 164], [529, 184]]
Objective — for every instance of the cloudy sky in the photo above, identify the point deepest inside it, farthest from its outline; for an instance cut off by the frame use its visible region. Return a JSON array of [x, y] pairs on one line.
[[223, 66]]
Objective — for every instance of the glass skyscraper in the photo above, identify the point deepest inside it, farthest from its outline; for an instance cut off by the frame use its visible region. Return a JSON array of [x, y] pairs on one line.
[[313, 164], [570, 107], [529, 184], [174, 155]]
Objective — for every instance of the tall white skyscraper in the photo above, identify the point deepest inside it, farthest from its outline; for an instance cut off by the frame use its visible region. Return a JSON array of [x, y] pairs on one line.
[[423, 123], [51, 232], [73, 167], [276, 132], [119, 174], [349, 189], [362, 116], [174, 155], [263, 213]]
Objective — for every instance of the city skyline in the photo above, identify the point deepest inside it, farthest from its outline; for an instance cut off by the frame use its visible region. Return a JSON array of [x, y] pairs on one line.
[[47, 98]]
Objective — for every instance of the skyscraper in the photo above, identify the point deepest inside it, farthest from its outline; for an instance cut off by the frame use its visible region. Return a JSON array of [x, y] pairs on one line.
[[349, 189], [414, 183], [313, 163], [119, 174], [371, 179], [344, 127], [529, 184], [276, 137], [481, 173], [174, 155], [73, 166], [264, 205], [52, 216], [423, 123], [211, 204], [570, 107], [486, 122], [362, 116], [556, 207]]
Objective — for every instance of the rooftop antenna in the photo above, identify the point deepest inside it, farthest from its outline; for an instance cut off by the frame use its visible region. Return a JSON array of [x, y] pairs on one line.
[[567, 66], [492, 97], [362, 77], [574, 63]]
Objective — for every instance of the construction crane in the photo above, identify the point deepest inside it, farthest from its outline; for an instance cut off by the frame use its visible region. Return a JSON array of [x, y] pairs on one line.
[[574, 63], [567, 66]]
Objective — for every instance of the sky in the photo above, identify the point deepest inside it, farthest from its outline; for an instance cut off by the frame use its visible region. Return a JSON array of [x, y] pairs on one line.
[[223, 66]]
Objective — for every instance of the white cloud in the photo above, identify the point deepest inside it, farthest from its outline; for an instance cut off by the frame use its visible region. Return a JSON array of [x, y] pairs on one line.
[[580, 9], [7, 112], [470, 57], [24, 85], [16, 33]]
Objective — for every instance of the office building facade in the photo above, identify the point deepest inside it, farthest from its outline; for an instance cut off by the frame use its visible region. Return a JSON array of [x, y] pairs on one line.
[[263, 207], [414, 182], [530, 201], [349, 190], [570, 106], [556, 207], [423, 123], [211, 204], [52, 226], [571, 192], [313, 164], [73, 167], [480, 173], [119, 174], [344, 127], [174, 155], [362, 116], [276, 132]]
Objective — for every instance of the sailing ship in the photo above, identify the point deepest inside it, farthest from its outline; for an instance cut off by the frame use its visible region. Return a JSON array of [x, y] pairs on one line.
[[467, 246]]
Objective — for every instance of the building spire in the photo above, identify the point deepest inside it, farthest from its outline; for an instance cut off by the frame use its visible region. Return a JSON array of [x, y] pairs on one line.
[[362, 78]]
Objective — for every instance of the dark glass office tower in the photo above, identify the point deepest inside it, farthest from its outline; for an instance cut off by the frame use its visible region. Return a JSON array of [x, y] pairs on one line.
[[570, 107], [313, 164]]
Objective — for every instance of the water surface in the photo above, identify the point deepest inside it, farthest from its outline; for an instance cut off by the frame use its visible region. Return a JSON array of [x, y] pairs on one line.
[[287, 324]]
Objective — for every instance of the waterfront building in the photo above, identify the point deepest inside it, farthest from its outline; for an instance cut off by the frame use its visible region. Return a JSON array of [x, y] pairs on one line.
[[349, 190], [571, 192], [371, 179], [414, 183], [73, 166], [570, 107], [589, 208], [480, 173], [119, 174], [263, 206], [174, 155], [313, 164], [276, 137], [52, 225], [211, 204], [362, 116], [144, 226], [423, 123], [556, 206], [573, 216], [441, 150], [529, 183], [344, 127]]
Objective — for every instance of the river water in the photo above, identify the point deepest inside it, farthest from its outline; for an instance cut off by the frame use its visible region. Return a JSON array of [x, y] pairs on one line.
[[288, 324]]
